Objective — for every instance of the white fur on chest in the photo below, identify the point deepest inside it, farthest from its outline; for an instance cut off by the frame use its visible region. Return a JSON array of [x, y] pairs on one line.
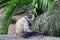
[[22, 25]]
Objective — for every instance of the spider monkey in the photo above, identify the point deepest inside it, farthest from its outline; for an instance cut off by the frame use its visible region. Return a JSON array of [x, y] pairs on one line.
[[33, 33], [23, 27]]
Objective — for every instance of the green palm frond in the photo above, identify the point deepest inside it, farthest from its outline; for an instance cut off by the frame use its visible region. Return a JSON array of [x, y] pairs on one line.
[[11, 8], [40, 4], [50, 21], [3, 3]]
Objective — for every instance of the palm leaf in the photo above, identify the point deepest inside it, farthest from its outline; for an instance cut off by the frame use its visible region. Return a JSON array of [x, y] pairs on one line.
[[41, 4], [11, 8], [3, 3], [50, 21]]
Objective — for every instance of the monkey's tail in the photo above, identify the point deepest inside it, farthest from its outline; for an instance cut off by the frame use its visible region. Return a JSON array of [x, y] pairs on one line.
[[37, 33]]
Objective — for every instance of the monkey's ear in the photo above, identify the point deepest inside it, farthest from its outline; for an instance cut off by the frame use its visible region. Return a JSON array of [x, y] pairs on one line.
[[25, 16]]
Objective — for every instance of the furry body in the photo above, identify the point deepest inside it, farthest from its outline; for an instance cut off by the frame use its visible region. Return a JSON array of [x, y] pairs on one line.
[[22, 26]]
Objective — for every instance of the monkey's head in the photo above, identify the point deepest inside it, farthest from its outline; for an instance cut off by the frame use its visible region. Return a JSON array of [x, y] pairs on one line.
[[29, 17]]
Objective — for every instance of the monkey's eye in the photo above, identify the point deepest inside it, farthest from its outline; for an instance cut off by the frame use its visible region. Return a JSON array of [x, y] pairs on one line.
[[29, 17]]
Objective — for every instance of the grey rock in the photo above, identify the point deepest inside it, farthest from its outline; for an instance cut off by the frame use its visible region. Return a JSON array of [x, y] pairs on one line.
[[7, 37]]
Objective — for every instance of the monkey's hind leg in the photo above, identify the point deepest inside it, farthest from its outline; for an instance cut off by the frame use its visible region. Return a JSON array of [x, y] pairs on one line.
[[19, 31]]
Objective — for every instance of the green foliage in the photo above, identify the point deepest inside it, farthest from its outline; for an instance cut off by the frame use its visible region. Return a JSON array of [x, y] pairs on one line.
[[50, 21], [11, 8], [40, 4], [3, 3], [13, 5]]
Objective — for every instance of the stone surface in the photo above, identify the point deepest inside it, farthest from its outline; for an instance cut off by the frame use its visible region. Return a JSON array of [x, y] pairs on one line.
[[11, 29], [1, 12], [4, 37]]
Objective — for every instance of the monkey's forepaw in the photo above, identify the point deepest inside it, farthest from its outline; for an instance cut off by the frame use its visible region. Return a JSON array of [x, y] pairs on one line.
[[26, 34], [29, 34]]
